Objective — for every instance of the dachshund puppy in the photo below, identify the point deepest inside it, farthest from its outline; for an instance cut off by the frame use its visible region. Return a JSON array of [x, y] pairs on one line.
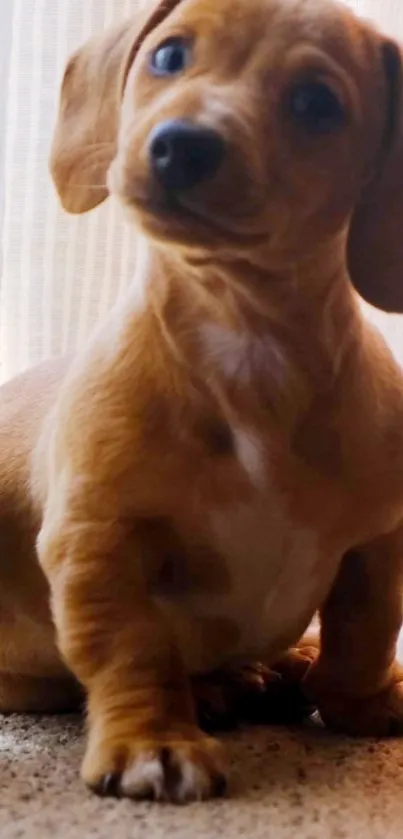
[[226, 457]]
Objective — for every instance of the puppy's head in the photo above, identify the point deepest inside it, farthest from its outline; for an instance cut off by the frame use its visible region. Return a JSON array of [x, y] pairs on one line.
[[240, 123]]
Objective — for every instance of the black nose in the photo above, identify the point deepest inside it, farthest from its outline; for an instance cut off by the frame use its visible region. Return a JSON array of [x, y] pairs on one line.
[[184, 154]]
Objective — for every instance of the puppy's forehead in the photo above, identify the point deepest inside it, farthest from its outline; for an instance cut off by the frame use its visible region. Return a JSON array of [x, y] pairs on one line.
[[276, 25], [294, 19]]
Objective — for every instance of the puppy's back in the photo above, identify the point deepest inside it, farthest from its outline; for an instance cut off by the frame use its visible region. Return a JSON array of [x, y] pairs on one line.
[[24, 403]]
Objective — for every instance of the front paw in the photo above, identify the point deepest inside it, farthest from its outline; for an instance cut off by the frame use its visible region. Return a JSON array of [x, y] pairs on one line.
[[254, 694], [175, 768], [376, 715]]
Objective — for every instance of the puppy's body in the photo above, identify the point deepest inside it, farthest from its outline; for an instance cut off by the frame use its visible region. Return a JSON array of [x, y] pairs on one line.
[[227, 456], [255, 496]]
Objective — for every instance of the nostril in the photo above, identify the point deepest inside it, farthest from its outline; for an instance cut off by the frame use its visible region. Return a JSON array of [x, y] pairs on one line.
[[161, 151]]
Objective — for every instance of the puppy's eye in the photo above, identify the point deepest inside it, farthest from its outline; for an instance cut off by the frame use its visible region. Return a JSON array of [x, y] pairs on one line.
[[171, 57], [316, 107]]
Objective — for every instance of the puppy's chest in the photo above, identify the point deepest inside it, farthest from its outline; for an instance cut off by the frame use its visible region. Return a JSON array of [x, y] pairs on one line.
[[271, 564], [260, 575], [265, 580]]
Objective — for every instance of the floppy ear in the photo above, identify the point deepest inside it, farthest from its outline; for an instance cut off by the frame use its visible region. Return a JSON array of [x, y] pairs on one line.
[[85, 137], [375, 247]]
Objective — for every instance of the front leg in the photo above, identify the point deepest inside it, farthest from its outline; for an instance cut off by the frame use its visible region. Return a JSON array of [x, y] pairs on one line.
[[356, 682], [143, 739]]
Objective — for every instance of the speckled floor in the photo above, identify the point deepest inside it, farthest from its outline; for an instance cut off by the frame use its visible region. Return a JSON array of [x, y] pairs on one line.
[[299, 784]]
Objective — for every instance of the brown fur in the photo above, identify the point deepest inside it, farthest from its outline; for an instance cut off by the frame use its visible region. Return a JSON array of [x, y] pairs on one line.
[[231, 440]]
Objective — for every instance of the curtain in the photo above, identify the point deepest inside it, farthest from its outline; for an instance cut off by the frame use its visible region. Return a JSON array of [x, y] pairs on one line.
[[60, 274], [388, 14]]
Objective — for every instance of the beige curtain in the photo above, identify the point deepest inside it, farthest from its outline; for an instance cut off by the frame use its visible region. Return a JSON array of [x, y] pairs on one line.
[[61, 274], [388, 14]]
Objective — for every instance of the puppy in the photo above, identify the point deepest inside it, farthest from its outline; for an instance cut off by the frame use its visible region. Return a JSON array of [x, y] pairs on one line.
[[226, 457]]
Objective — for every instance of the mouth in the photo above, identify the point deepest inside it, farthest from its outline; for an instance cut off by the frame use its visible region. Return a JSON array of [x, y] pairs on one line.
[[179, 212], [172, 208]]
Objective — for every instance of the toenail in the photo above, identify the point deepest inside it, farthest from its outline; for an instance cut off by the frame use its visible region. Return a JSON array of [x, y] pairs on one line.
[[109, 785]]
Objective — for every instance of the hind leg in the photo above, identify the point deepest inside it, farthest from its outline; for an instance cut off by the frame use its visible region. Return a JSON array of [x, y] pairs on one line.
[[356, 682]]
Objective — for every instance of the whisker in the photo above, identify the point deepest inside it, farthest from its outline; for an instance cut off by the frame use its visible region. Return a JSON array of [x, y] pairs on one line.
[[106, 145]]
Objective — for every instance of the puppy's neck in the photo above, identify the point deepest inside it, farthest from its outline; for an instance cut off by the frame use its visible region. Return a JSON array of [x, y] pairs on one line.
[[278, 332], [254, 292]]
